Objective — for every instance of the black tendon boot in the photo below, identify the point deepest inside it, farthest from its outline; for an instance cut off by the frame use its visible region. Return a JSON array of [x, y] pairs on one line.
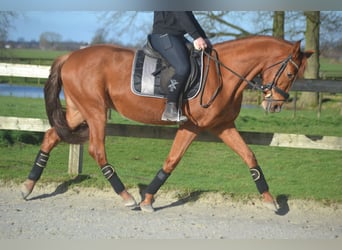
[[35, 174], [110, 174], [171, 113], [153, 188]]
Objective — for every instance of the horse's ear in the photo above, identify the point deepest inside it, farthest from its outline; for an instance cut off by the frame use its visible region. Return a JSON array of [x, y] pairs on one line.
[[296, 50], [308, 53]]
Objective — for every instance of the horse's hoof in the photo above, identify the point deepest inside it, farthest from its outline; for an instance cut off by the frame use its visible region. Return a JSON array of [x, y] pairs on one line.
[[25, 191], [27, 187], [271, 205], [130, 203], [146, 208]]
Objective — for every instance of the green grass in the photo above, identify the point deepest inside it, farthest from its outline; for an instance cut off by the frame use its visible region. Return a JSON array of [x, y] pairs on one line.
[[305, 122], [330, 68], [297, 173], [31, 56], [22, 107]]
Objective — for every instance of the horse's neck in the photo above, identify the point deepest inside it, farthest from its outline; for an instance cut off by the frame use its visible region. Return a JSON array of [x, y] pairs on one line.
[[243, 60]]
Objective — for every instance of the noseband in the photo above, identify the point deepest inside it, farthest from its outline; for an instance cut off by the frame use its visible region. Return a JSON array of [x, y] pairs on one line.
[[273, 85]]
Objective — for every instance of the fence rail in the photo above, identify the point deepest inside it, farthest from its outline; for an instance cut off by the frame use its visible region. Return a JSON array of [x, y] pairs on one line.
[[161, 132], [24, 70], [317, 85]]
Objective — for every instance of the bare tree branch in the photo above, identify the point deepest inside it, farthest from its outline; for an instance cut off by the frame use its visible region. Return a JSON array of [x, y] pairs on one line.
[[120, 24], [5, 23], [221, 25]]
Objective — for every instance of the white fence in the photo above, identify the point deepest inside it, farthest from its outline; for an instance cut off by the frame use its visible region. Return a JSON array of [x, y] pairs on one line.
[[24, 70]]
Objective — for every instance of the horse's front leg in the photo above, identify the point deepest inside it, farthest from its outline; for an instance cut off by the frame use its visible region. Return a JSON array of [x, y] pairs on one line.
[[231, 137], [51, 139], [97, 150], [180, 144]]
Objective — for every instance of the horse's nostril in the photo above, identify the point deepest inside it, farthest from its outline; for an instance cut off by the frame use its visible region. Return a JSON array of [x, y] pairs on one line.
[[277, 108], [268, 95]]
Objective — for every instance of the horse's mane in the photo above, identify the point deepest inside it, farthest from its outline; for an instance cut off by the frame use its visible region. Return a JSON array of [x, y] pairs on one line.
[[244, 42], [256, 38]]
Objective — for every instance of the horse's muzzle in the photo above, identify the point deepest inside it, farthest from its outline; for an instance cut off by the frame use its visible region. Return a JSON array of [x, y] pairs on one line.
[[272, 106]]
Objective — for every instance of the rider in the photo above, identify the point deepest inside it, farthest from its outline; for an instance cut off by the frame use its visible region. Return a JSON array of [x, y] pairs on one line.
[[169, 28]]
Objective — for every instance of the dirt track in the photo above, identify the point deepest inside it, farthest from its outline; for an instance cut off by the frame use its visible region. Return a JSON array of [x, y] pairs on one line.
[[57, 212]]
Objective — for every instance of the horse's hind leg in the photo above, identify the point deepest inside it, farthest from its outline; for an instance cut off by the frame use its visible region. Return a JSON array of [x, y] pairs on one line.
[[51, 139], [232, 138]]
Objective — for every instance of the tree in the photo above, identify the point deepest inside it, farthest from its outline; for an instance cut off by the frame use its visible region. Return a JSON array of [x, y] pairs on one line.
[[132, 26], [49, 40], [217, 24], [5, 24], [223, 25], [279, 24], [311, 43], [99, 37]]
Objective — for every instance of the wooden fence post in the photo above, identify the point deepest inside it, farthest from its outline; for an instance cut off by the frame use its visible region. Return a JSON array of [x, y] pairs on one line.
[[75, 159]]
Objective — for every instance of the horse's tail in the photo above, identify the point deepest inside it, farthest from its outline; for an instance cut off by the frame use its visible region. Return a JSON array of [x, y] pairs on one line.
[[54, 109]]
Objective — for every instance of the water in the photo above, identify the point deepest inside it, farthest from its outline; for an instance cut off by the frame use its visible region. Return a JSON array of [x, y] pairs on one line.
[[23, 91]]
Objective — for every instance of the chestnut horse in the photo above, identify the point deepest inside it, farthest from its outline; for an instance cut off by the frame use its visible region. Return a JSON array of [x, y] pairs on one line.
[[97, 78]]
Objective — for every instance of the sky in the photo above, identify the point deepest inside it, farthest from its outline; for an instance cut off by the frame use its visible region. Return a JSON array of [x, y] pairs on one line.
[[71, 25], [79, 26]]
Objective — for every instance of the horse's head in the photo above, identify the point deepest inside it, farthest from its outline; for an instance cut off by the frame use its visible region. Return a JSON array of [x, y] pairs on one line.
[[278, 77]]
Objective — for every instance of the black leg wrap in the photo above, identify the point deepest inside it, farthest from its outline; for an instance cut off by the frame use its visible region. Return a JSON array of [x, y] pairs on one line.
[[259, 179], [157, 182], [110, 174], [38, 166]]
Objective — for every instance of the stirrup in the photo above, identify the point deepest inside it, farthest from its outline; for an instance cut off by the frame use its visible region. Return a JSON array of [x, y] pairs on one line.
[[179, 118], [171, 113]]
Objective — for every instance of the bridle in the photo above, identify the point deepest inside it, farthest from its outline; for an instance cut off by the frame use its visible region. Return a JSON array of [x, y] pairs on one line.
[[273, 85], [264, 88]]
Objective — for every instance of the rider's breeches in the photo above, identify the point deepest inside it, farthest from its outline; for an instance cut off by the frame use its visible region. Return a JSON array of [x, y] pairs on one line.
[[174, 50]]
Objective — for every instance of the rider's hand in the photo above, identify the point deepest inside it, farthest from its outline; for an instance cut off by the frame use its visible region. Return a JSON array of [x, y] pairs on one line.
[[200, 43]]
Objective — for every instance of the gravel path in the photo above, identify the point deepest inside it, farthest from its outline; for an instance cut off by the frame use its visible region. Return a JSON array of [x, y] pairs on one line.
[[55, 212]]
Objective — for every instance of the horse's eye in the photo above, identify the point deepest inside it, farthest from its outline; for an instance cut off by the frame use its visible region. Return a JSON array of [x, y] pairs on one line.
[[289, 75]]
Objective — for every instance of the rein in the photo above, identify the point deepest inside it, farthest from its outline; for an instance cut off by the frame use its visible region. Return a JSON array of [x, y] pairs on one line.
[[205, 76], [253, 84]]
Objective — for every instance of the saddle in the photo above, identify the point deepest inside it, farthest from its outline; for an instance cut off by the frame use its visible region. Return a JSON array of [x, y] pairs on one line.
[[151, 73]]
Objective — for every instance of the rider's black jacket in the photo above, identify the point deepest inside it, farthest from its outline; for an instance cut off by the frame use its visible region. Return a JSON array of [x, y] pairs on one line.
[[177, 23]]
